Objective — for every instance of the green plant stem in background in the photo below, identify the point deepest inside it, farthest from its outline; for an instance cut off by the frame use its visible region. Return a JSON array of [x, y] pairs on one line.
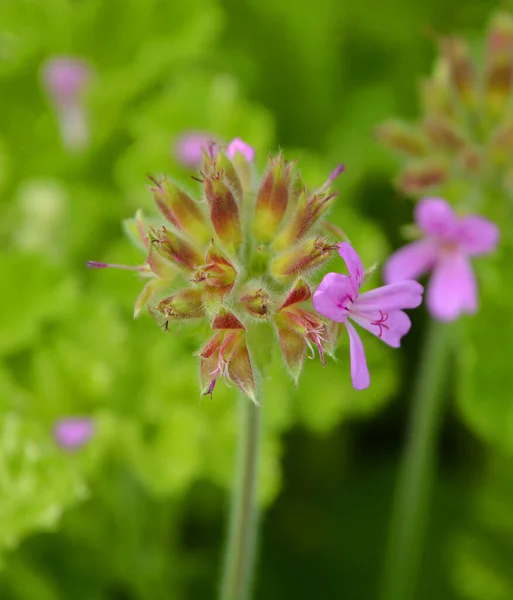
[[242, 534], [410, 508]]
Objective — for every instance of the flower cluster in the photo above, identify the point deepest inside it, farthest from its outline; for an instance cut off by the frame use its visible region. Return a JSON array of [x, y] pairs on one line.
[[466, 132], [239, 258]]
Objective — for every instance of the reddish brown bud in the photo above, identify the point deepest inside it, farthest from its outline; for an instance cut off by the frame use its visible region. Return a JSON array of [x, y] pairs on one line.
[[224, 211], [272, 199], [293, 348], [498, 82], [180, 209], [402, 137], [302, 258], [231, 177], [226, 320], [310, 208], [174, 248], [444, 133], [456, 56], [419, 177], [257, 303], [300, 292]]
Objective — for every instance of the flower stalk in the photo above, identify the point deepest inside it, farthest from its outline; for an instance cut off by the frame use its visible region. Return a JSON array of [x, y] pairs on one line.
[[237, 576], [410, 511]]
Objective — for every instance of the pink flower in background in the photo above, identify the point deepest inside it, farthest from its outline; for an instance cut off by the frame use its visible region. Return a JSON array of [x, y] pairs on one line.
[[379, 311], [189, 147], [73, 432], [64, 79], [239, 146], [448, 244]]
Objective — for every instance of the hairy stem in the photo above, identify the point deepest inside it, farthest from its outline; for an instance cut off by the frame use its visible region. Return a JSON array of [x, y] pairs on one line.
[[410, 510], [237, 575]]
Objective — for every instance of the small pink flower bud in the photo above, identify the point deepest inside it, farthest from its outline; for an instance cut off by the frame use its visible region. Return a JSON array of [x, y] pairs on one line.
[[174, 248], [180, 209], [224, 211], [272, 199], [72, 433], [402, 137], [238, 146], [302, 258], [189, 148]]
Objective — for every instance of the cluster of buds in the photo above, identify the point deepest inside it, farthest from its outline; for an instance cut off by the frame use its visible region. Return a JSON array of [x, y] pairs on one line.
[[466, 132], [239, 258]]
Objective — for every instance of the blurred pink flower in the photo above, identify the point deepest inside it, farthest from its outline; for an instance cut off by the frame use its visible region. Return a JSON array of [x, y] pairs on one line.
[[239, 146], [448, 243], [64, 79], [379, 311], [73, 432], [189, 146]]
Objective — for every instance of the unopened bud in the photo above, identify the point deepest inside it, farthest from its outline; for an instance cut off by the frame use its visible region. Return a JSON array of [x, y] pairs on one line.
[[498, 81], [224, 211], [444, 133], [242, 156], [272, 198], [180, 209], [302, 258], [420, 177], [174, 248], [402, 137], [300, 292], [293, 348], [226, 320], [462, 77], [256, 302], [231, 177], [149, 291], [185, 304]]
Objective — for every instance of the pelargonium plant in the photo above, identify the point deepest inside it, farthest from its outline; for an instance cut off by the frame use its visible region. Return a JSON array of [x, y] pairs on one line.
[[245, 257]]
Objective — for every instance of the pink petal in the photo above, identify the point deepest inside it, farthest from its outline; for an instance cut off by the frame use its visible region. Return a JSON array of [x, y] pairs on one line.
[[73, 432], [389, 327], [452, 289], [334, 296], [395, 296], [190, 145], [478, 235], [436, 217], [359, 370], [239, 146], [353, 263], [411, 261]]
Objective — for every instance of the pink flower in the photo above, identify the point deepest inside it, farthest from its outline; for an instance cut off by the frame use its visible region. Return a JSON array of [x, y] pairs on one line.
[[189, 147], [446, 248], [239, 146], [379, 311], [64, 80], [73, 432]]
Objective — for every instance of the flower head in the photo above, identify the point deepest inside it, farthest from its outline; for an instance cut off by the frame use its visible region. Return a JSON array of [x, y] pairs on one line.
[[207, 261], [379, 311], [446, 247], [73, 432]]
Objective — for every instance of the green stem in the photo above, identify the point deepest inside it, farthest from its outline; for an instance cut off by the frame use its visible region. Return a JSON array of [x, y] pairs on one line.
[[240, 550], [416, 474]]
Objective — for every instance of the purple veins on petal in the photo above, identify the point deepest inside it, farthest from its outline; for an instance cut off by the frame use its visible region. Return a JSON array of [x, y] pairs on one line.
[[73, 432]]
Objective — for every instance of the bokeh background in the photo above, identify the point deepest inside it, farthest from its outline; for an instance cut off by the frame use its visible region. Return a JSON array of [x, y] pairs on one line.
[[139, 512]]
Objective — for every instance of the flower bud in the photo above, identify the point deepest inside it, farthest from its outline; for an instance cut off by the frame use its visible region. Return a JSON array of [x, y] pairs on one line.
[[300, 292], [224, 211], [310, 208], [256, 303], [174, 248], [302, 258], [217, 275], [149, 291], [242, 156], [501, 144], [420, 177], [457, 57], [272, 198], [293, 348], [305, 324], [444, 133], [180, 209], [226, 320], [231, 177], [185, 304], [403, 138], [498, 79]]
